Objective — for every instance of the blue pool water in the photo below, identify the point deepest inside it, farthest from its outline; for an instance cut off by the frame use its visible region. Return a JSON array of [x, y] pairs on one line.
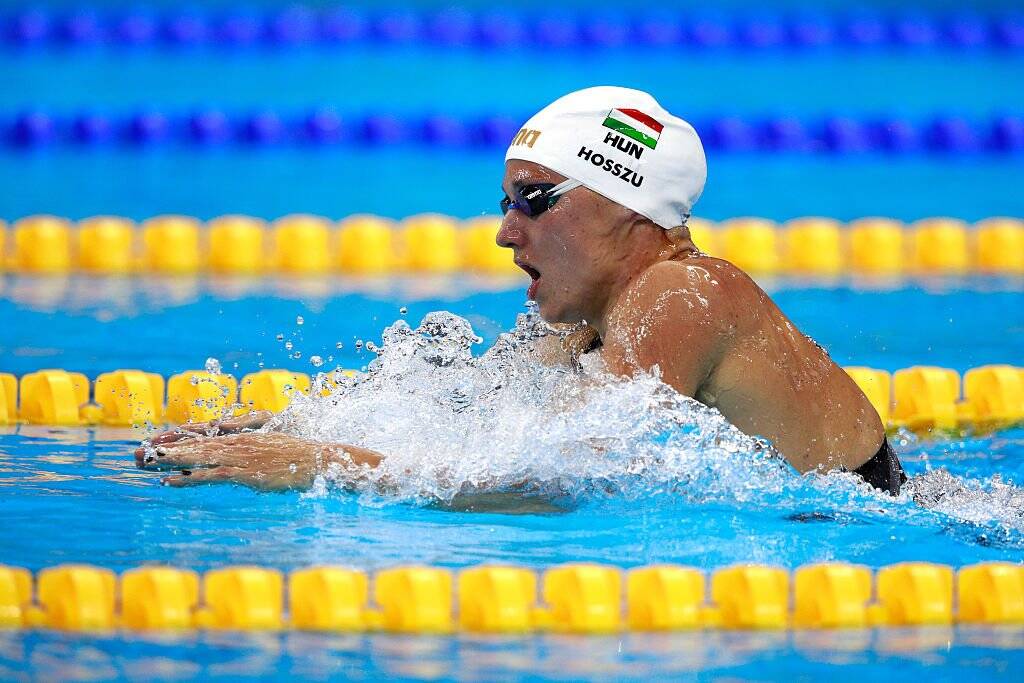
[[893, 655], [74, 494], [168, 325]]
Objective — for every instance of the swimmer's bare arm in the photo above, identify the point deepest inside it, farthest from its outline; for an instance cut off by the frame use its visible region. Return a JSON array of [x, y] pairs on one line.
[[674, 318], [268, 461]]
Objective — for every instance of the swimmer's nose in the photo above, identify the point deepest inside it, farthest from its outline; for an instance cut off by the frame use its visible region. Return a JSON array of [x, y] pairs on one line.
[[509, 234]]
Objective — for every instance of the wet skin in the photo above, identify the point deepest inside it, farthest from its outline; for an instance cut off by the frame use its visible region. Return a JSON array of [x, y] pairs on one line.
[[229, 451], [655, 302]]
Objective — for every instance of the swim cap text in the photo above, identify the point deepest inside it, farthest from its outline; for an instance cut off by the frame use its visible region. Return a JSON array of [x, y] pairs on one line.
[[610, 165], [624, 144]]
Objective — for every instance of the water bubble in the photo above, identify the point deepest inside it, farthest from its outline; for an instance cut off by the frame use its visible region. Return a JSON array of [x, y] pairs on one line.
[[330, 359], [316, 361], [371, 347], [299, 320], [403, 310], [260, 364], [279, 337], [288, 345], [297, 355], [339, 345], [212, 366], [359, 344]]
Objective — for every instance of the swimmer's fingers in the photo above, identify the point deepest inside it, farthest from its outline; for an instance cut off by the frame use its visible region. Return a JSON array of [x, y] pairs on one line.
[[256, 479], [212, 475], [188, 430], [198, 452], [191, 430], [253, 420]]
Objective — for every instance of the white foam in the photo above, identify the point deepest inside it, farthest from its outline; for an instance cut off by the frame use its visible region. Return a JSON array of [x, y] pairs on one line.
[[452, 424]]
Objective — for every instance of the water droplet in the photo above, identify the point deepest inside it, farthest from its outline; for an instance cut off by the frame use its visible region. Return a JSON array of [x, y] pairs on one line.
[[280, 337], [213, 366], [299, 320], [288, 345], [316, 361], [403, 310], [297, 355], [260, 364], [359, 344], [338, 345], [293, 468], [330, 358]]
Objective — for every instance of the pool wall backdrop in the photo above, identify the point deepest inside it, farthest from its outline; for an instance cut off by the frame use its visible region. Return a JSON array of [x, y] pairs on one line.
[[292, 207]]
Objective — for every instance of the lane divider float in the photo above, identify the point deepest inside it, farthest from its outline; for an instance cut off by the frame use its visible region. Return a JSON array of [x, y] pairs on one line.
[[298, 26], [210, 128], [919, 398], [574, 598], [306, 245]]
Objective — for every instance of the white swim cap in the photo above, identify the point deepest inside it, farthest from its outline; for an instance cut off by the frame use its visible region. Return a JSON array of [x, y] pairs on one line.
[[621, 144]]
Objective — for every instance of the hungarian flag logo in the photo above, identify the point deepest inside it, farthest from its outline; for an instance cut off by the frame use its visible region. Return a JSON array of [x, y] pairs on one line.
[[635, 124]]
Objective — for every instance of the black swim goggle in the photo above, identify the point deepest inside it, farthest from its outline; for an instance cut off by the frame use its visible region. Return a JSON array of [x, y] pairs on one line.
[[536, 198]]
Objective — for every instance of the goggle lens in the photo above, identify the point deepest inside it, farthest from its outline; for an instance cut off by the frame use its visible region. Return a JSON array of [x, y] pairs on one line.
[[532, 200]]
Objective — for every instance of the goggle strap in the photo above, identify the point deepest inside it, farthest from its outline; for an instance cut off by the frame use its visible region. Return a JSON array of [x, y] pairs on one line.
[[563, 187]]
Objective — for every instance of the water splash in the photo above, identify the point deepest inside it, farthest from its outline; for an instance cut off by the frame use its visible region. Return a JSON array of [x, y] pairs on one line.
[[453, 424]]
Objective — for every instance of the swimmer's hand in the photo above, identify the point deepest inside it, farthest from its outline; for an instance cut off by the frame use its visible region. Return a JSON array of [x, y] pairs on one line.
[[268, 462], [232, 425]]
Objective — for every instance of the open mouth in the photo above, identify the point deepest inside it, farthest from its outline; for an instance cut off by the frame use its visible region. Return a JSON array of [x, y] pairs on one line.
[[534, 276], [532, 272]]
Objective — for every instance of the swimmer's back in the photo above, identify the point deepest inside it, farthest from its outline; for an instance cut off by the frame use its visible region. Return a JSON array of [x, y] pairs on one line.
[[762, 373]]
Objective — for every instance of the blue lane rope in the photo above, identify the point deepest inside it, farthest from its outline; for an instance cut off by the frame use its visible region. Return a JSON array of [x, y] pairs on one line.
[[303, 26], [211, 127]]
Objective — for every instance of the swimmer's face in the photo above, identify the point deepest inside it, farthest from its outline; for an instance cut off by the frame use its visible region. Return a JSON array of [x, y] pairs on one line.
[[573, 251]]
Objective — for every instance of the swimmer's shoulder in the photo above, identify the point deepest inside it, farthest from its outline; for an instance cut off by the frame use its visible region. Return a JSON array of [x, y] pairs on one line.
[[714, 279]]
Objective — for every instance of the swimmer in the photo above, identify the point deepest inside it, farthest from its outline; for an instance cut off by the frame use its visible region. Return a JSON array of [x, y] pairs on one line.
[[598, 188]]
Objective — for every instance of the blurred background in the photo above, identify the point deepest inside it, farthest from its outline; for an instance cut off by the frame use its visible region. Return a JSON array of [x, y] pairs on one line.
[[835, 108], [842, 109]]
